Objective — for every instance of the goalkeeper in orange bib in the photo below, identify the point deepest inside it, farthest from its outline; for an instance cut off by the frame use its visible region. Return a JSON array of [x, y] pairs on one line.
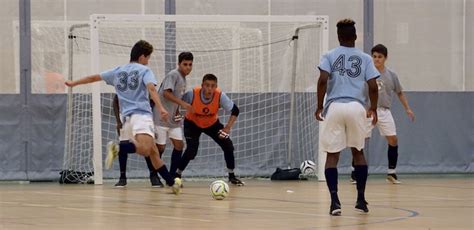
[[206, 101]]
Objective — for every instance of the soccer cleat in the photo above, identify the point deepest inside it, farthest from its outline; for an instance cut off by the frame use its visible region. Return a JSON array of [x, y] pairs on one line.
[[176, 187], [236, 181], [353, 178], [121, 183], [178, 175], [361, 206], [392, 177], [335, 209], [112, 153], [155, 181]]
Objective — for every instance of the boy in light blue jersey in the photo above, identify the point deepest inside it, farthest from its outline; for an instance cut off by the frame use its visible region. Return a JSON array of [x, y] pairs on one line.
[[170, 92], [345, 72], [134, 85]]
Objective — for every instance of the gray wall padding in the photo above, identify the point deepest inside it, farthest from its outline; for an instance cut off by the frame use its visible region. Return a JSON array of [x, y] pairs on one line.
[[440, 141], [46, 136], [12, 145]]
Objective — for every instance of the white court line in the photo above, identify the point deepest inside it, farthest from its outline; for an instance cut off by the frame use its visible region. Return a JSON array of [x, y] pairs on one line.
[[113, 212], [132, 214], [101, 211], [210, 206], [423, 197]]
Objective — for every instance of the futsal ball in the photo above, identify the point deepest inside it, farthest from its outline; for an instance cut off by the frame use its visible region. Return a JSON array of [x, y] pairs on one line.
[[219, 190], [308, 168]]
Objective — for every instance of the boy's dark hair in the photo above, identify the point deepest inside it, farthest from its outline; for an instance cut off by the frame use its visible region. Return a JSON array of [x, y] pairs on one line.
[[209, 77], [380, 49], [185, 56], [140, 48], [346, 31]]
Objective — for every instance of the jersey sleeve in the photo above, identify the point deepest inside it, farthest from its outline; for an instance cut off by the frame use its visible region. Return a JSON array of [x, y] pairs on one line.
[[149, 77], [325, 64], [226, 103], [370, 70], [188, 97], [169, 82], [396, 83], [108, 75]]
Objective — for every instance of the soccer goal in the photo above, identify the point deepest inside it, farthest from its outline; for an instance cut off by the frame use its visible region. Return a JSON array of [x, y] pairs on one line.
[[266, 64]]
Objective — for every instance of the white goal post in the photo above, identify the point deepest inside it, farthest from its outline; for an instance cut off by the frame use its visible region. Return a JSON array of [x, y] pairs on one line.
[[248, 51]]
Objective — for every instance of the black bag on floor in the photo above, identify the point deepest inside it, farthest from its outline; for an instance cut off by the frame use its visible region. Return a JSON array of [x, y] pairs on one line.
[[74, 177], [286, 174]]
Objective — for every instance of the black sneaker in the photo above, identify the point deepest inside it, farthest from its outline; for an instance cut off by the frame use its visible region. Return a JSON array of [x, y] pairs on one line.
[[236, 181], [353, 178], [392, 178], [156, 182], [335, 209], [121, 183], [361, 206]]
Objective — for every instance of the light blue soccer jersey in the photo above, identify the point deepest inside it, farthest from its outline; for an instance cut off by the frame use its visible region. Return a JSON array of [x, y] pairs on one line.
[[130, 82], [349, 70]]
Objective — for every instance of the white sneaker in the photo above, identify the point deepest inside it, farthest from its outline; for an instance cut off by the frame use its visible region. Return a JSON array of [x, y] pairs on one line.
[[176, 188], [112, 153], [392, 178]]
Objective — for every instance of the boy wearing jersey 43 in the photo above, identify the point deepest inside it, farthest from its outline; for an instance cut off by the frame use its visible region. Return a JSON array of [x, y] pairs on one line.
[[344, 73], [203, 118]]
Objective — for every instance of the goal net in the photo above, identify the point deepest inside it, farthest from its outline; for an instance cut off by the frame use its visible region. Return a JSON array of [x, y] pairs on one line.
[[266, 64]]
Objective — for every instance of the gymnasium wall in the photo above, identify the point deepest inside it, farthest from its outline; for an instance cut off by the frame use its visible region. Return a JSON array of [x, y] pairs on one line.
[[439, 141], [432, 55]]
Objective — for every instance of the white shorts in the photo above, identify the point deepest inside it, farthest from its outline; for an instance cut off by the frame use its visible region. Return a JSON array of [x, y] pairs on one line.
[[162, 133], [136, 124], [344, 125], [385, 123]]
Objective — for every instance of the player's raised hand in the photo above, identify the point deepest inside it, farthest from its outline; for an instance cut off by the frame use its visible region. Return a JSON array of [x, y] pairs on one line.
[[411, 115], [372, 113], [69, 83], [317, 114]]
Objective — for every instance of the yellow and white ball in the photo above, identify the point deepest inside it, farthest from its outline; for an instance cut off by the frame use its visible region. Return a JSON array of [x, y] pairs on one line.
[[219, 189]]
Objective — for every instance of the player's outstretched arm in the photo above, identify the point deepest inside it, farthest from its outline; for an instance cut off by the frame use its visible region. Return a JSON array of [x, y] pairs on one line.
[[168, 94], [374, 96], [82, 81], [404, 102], [156, 99], [233, 117], [322, 87]]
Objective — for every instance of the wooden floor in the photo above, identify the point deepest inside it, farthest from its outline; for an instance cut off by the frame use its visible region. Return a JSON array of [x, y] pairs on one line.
[[418, 203]]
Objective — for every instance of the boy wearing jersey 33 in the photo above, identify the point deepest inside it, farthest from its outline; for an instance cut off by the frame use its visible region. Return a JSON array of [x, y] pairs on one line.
[[126, 137], [206, 101], [134, 84], [344, 73]]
